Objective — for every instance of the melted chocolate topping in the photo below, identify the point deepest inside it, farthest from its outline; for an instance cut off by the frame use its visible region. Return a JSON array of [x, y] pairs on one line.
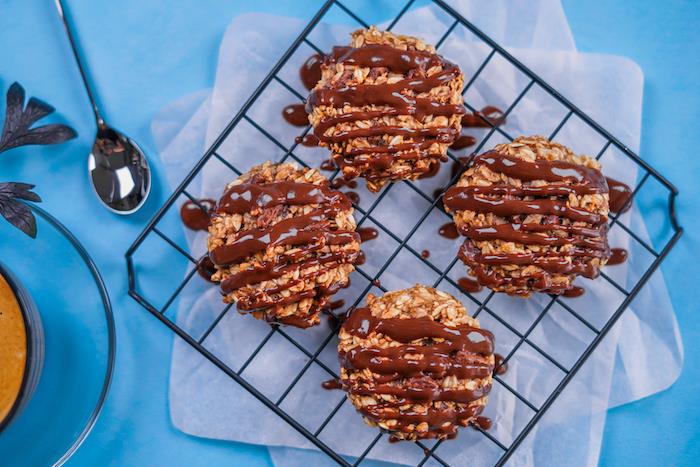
[[500, 364], [574, 292], [425, 254], [309, 232], [328, 165], [463, 141], [353, 196], [482, 118], [433, 169], [484, 423], [310, 71], [206, 268], [618, 256], [515, 202], [332, 384], [449, 231], [309, 140], [340, 182], [455, 355], [396, 98], [469, 285], [194, 217], [296, 115], [620, 196], [367, 233]]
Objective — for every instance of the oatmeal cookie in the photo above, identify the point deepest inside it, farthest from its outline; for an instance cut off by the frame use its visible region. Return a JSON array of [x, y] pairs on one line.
[[535, 217], [415, 364], [282, 243], [387, 107]]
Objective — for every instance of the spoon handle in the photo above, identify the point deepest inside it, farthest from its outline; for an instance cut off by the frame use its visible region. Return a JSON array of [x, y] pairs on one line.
[[83, 75]]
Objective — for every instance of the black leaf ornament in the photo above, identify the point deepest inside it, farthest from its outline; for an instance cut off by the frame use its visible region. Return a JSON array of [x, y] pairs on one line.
[[15, 211], [19, 119], [18, 130]]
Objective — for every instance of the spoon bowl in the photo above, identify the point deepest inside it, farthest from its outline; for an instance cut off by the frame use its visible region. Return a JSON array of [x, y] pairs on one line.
[[119, 171]]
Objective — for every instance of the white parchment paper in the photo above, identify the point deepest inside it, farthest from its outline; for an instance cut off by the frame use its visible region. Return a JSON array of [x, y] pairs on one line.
[[642, 355]]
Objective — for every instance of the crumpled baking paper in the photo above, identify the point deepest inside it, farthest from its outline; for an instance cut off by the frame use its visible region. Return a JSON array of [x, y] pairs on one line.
[[640, 356]]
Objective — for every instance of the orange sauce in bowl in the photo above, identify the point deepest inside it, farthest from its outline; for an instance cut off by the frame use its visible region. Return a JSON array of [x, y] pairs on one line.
[[13, 349]]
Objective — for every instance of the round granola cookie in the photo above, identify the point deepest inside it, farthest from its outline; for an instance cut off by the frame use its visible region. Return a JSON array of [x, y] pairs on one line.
[[535, 217], [282, 243], [387, 106], [415, 364]]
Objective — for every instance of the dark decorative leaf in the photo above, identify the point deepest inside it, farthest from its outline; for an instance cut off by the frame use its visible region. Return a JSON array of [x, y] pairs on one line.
[[16, 212], [18, 131]]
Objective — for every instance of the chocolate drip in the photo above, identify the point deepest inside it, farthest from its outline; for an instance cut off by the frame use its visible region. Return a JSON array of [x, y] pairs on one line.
[[482, 118], [574, 292], [529, 234], [295, 114], [309, 140], [588, 180], [353, 197], [206, 268], [340, 182], [310, 71], [367, 233], [293, 231], [440, 421], [500, 364], [386, 56], [459, 199], [433, 169], [449, 231], [618, 256], [550, 261], [437, 361], [484, 423], [469, 285], [196, 215], [332, 384], [463, 141], [245, 197], [361, 323], [425, 254], [620, 196], [398, 98], [425, 393], [328, 165]]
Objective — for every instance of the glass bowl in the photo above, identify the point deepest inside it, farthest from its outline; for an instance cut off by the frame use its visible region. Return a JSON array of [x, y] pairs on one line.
[[79, 343]]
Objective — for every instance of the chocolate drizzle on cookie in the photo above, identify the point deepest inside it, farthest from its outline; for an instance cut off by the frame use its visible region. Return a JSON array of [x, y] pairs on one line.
[[427, 352], [376, 155], [567, 236], [306, 238]]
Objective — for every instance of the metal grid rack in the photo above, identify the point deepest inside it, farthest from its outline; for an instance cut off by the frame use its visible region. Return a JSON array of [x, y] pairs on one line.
[[628, 291]]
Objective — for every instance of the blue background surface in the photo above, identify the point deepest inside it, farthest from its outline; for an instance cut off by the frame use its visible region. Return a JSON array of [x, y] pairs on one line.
[[144, 54]]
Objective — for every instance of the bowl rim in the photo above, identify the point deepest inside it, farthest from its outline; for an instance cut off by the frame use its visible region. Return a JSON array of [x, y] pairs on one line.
[[111, 333]]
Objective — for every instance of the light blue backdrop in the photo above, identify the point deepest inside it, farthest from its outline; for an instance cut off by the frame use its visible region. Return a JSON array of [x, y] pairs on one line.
[[144, 54]]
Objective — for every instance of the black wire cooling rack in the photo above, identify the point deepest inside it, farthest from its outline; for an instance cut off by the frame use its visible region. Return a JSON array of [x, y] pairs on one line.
[[664, 192]]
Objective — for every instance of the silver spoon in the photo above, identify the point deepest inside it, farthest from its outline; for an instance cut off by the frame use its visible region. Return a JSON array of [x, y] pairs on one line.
[[118, 168]]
